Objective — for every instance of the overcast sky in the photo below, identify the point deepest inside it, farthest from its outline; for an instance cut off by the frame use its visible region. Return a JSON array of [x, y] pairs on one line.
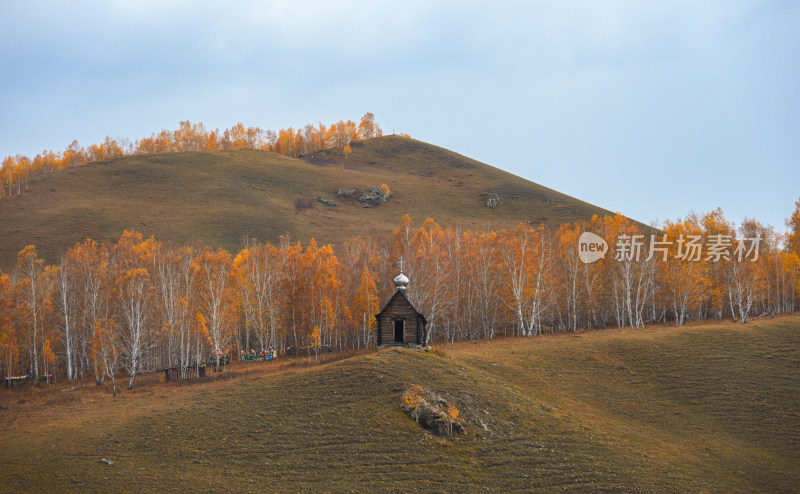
[[652, 109]]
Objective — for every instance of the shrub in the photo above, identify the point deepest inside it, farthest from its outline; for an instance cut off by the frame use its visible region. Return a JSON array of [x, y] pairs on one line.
[[303, 203], [412, 397]]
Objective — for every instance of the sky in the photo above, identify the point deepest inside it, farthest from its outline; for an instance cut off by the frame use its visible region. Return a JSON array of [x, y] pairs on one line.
[[650, 108]]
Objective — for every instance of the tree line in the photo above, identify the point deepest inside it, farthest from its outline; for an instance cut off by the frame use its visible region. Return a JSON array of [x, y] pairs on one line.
[[15, 171], [139, 305]]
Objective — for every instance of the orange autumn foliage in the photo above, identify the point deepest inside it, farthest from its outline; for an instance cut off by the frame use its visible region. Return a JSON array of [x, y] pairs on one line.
[[15, 171], [173, 306]]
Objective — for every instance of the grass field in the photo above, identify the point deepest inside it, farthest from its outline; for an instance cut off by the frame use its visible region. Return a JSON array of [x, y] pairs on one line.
[[704, 408], [218, 198]]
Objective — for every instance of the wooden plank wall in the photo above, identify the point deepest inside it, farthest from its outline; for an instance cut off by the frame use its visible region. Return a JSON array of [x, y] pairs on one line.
[[398, 308]]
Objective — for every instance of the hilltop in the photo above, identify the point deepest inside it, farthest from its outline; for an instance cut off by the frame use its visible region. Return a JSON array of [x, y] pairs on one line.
[[219, 197], [703, 408]]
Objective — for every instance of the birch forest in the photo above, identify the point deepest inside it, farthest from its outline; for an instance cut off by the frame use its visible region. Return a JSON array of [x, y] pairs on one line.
[[108, 310]]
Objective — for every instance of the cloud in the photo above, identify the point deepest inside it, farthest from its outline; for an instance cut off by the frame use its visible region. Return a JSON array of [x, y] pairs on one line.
[[621, 85]]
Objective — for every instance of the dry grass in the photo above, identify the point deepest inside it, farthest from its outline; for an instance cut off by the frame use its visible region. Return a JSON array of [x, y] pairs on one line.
[[708, 408], [219, 198]]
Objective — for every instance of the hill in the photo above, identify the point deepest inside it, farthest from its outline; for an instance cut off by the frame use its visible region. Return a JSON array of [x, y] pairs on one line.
[[218, 198], [704, 408]]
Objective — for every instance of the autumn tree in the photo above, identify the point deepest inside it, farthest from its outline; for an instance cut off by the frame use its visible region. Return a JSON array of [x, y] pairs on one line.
[[527, 257], [201, 339], [33, 295], [293, 289], [106, 349], [321, 284], [365, 306], [216, 298], [793, 224], [360, 293], [66, 301], [367, 128], [745, 275], [73, 156], [168, 267], [257, 269], [571, 271], [315, 342], [426, 267], [484, 262], [134, 297], [452, 414], [681, 280], [187, 309], [719, 274], [9, 347], [94, 285], [49, 358]]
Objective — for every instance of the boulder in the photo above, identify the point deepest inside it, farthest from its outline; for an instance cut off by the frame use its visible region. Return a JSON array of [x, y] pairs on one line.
[[326, 202], [493, 201], [430, 411], [374, 194], [346, 192]]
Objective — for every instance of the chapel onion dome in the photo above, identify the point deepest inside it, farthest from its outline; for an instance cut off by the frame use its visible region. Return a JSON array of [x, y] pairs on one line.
[[401, 281]]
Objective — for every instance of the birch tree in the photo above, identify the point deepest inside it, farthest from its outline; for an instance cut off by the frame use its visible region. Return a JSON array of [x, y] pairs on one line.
[[66, 299], [216, 299], [134, 298], [33, 296]]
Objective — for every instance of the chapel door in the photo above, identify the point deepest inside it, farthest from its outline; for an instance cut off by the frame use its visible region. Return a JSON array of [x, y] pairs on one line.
[[398, 331]]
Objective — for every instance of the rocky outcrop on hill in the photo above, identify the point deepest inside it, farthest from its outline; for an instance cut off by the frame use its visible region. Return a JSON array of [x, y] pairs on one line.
[[431, 411]]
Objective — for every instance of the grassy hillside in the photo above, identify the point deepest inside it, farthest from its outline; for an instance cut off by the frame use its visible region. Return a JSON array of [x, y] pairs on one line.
[[707, 408], [217, 198]]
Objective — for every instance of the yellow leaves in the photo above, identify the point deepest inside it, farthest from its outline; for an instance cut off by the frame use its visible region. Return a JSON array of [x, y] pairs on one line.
[[104, 341], [134, 273], [567, 237], [241, 258], [209, 260], [413, 396], [793, 234], [5, 286], [316, 339], [193, 137], [130, 237], [479, 283], [7, 340], [451, 411], [48, 354], [429, 224], [145, 250], [201, 327], [28, 252], [366, 301], [28, 260]]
